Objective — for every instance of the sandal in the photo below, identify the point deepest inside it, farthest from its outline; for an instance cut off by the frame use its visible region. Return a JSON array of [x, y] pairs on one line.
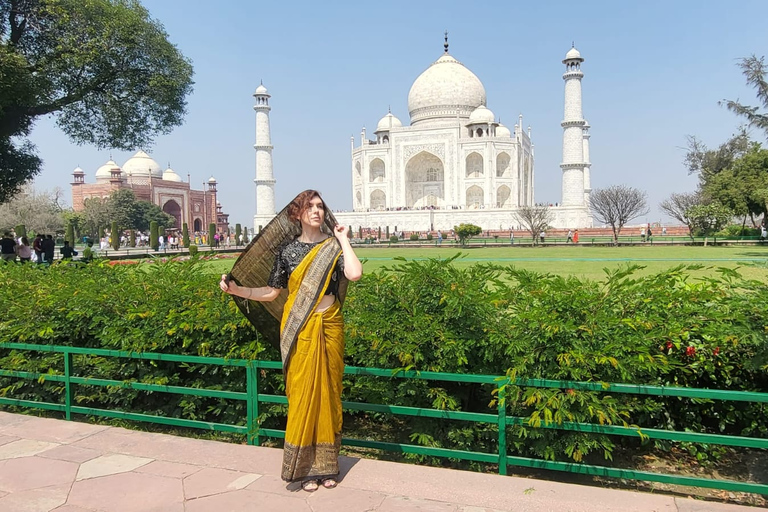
[[329, 483], [310, 485]]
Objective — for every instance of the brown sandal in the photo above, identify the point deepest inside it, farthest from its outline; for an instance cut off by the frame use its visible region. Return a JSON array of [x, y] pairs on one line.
[[310, 485]]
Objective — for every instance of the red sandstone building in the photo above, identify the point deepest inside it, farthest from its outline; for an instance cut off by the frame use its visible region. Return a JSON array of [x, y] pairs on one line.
[[166, 189]]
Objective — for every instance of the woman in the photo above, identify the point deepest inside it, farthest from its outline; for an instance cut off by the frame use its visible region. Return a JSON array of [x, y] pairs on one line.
[[24, 250], [313, 266]]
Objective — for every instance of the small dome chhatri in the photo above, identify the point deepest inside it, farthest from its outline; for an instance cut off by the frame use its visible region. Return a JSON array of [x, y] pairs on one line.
[[503, 131], [171, 175], [105, 171], [573, 54], [481, 115], [387, 122]]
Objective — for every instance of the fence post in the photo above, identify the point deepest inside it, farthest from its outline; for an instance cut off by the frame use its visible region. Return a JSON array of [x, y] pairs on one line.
[[502, 421], [252, 403], [67, 385]]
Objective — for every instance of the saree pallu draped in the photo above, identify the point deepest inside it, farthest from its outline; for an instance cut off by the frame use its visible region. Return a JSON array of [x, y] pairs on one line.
[[312, 347]]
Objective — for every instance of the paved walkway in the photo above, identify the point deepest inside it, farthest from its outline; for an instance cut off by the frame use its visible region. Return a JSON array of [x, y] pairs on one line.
[[48, 464]]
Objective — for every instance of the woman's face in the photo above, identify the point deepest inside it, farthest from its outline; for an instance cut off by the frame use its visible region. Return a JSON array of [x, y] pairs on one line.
[[314, 214]]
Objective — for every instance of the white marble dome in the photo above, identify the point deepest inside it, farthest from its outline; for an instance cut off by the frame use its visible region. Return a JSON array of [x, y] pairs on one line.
[[445, 88], [105, 171], [573, 53], [261, 90], [387, 122], [481, 115], [142, 165], [171, 175], [503, 131]]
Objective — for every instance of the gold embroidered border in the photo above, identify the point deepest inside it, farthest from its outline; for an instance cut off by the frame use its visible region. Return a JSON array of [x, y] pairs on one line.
[[310, 290], [318, 460]]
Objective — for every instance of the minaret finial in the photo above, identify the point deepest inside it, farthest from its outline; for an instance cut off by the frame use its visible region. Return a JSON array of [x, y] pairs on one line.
[[445, 45], [261, 82], [389, 109], [573, 44]]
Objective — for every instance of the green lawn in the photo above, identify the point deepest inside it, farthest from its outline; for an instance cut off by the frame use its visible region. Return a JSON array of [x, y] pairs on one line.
[[580, 261]]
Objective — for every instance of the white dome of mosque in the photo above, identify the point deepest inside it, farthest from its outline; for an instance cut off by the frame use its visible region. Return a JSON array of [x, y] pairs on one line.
[[78, 170], [141, 164], [387, 122], [171, 175], [105, 171], [211, 180], [503, 131], [445, 88], [481, 115], [261, 89], [573, 53]]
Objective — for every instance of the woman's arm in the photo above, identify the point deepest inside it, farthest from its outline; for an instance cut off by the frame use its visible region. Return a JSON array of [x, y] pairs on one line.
[[262, 294], [353, 269]]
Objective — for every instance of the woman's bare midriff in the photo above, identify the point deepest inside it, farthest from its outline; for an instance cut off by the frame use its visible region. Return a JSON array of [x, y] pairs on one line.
[[326, 302]]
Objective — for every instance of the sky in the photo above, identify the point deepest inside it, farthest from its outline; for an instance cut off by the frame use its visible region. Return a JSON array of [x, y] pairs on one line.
[[654, 72]]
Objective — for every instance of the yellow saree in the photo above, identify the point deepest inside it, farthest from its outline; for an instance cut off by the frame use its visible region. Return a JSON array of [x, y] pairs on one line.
[[312, 349]]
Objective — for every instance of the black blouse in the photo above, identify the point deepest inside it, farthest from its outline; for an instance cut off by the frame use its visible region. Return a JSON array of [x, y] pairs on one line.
[[289, 255]]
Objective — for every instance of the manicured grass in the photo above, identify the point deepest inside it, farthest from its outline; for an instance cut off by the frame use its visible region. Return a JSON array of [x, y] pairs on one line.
[[580, 261]]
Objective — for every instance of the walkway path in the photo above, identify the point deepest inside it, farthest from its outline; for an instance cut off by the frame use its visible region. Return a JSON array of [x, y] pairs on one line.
[[48, 464]]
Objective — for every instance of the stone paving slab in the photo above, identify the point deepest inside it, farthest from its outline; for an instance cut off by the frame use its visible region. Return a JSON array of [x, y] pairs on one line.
[[48, 464]]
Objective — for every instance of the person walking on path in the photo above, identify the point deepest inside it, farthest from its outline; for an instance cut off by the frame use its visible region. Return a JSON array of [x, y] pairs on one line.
[[576, 237], [67, 251], [37, 246], [569, 238], [314, 266]]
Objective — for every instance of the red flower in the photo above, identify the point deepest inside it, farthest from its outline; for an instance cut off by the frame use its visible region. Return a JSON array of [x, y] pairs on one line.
[[570, 392], [669, 345], [690, 351], [716, 351]]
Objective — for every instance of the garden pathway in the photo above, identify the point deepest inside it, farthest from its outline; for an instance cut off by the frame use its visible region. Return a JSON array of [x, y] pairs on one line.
[[49, 464]]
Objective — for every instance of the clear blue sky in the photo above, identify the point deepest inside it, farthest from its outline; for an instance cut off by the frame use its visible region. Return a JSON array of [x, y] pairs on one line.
[[654, 72]]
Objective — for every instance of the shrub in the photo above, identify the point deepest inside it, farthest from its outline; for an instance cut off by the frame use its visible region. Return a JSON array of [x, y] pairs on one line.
[[185, 234], [115, 235], [238, 230], [193, 250], [466, 231], [393, 239], [132, 238], [154, 234], [429, 236], [20, 230], [414, 237], [662, 329], [211, 234]]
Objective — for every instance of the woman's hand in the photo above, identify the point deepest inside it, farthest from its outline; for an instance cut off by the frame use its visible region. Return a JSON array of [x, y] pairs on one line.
[[341, 232], [227, 286]]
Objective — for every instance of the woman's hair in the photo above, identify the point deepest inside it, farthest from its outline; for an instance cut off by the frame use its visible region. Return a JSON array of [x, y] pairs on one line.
[[24, 240], [300, 203]]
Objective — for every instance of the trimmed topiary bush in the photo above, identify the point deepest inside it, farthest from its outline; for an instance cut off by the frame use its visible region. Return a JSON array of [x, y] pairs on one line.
[[185, 235], [115, 236], [154, 234]]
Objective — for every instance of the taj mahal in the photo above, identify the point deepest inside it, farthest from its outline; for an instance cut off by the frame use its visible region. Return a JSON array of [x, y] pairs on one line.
[[453, 163]]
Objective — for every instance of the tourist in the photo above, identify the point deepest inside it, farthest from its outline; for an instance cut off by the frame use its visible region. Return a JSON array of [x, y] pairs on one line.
[[542, 236], [648, 233], [312, 331], [37, 246], [48, 247], [511, 237], [8, 247], [24, 250], [570, 236], [576, 236], [642, 234], [763, 233], [67, 251], [160, 243], [439, 238]]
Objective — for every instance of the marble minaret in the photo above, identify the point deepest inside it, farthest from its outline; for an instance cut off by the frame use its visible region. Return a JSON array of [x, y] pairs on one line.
[[573, 164], [265, 178]]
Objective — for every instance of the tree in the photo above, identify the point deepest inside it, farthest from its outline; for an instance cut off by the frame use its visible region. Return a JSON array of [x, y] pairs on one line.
[[154, 234], [466, 231], [40, 212], [742, 187], [132, 238], [238, 230], [245, 235], [709, 218], [104, 68], [535, 219], [709, 162], [755, 72], [677, 206], [114, 235], [70, 236], [617, 205], [211, 234], [185, 234]]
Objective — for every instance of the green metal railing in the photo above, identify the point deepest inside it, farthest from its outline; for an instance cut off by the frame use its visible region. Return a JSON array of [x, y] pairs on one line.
[[253, 398]]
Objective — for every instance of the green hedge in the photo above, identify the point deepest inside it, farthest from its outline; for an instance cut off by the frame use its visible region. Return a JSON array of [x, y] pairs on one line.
[[663, 329]]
